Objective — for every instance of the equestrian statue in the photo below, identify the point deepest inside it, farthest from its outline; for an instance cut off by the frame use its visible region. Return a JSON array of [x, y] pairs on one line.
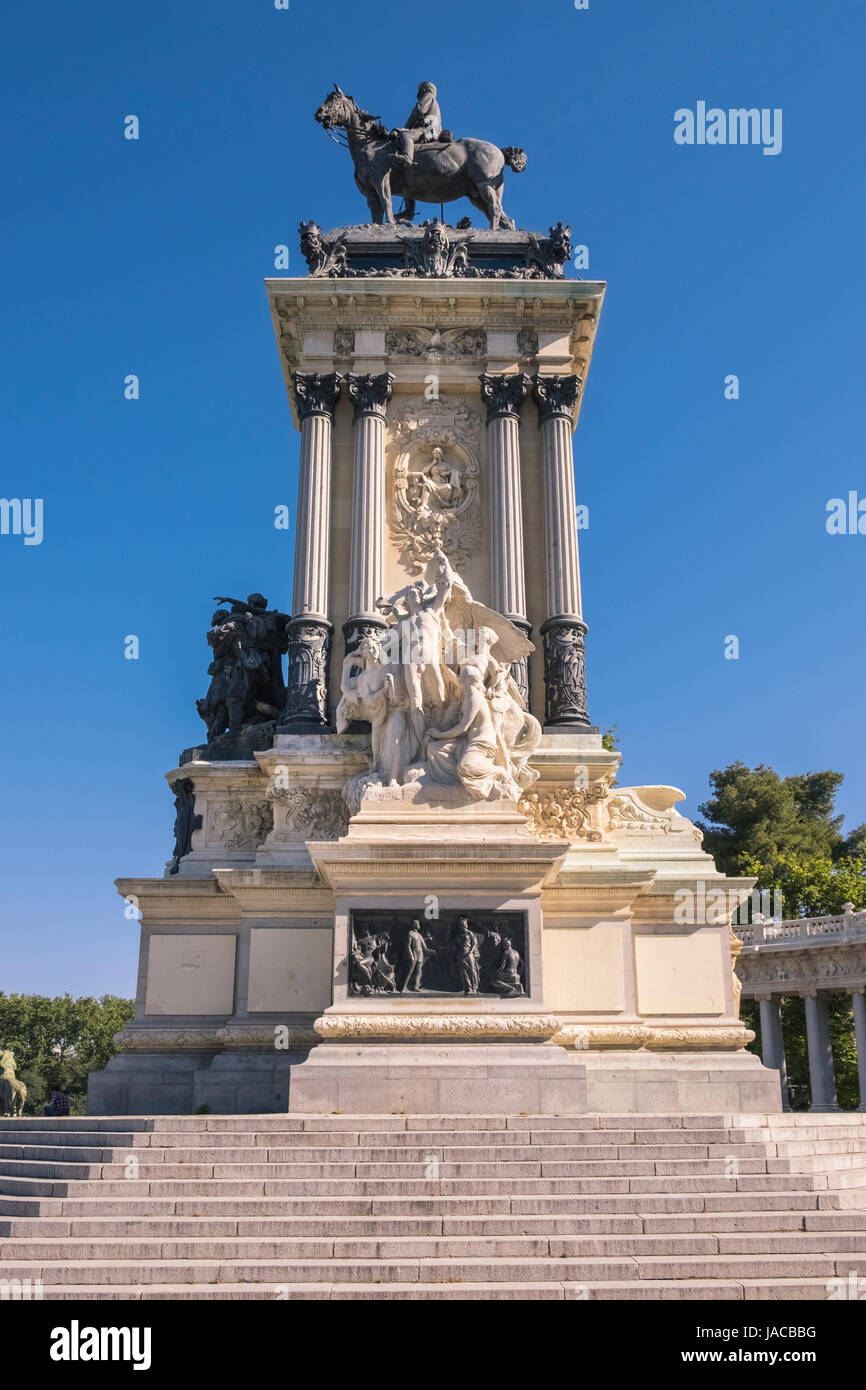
[[420, 161]]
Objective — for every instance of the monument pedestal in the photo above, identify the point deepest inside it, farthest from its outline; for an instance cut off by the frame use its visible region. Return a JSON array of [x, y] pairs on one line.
[[573, 952]]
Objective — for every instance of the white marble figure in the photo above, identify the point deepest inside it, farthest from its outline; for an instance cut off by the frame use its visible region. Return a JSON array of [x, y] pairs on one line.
[[450, 700], [372, 690]]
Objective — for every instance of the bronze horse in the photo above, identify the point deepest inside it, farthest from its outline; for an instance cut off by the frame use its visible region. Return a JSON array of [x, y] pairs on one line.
[[440, 172]]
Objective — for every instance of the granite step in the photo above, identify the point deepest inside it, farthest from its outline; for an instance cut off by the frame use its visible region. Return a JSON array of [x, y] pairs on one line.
[[722, 1207]]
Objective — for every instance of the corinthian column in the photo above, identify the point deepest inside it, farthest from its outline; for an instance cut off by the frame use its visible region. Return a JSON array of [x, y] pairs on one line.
[[503, 395], [369, 396], [564, 629], [309, 631]]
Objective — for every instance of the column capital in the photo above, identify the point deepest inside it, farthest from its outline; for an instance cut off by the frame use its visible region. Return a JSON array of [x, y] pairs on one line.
[[316, 394], [556, 396], [369, 394], [503, 394]]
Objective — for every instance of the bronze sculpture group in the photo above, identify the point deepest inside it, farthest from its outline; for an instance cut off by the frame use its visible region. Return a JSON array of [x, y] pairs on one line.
[[469, 961]]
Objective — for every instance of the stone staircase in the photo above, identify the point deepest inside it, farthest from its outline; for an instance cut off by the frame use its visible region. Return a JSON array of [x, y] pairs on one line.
[[444, 1207]]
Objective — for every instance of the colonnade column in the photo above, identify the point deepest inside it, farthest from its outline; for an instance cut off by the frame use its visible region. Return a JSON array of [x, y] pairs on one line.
[[772, 1041], [309, 631], [503, 395], [564, 630], [821, 1076], [858, 1000], [369, 395]]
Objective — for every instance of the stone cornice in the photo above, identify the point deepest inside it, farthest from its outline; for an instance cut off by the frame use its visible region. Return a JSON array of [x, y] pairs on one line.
[[569, 309]]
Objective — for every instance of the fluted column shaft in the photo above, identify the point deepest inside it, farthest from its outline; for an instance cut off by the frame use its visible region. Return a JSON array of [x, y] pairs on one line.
[[369, 395], [309, 631], [773, 1043], [560, 519], [821, 1075], [503, 396], [564, 629], [312, 536]]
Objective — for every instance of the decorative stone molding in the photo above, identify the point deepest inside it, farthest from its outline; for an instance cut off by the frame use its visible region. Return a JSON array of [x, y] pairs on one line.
[[262, 1035], [565, 671], [563, 813], [166, 1039], [555, 396], [647, 811], [309, 646], [369, 394], [240, 824], [316, 394], [465, 1026], [446, 422], [723, 1036], [583, 1036], [267, 1035], [586, 1035], [504, 394], [344, 342], [527, 343], [307, 813]]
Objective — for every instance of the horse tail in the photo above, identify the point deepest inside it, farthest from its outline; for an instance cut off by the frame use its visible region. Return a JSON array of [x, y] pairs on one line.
[[515, 158]]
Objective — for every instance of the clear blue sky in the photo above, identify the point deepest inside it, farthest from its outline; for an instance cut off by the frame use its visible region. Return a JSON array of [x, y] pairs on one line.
[[707, 516]]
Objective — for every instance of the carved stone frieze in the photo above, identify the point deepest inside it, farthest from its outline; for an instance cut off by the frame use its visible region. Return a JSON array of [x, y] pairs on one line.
[[416, 420], [563, 813], [240, 824], [344, 342], [527, 342], [436, 345], [307, 813], [797, 971]]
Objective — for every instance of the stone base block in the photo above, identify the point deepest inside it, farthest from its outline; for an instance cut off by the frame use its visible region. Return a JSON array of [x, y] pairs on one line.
[[146, 1083], [439, 1079], [233, 1082], [699, 1083], [513, 1079]]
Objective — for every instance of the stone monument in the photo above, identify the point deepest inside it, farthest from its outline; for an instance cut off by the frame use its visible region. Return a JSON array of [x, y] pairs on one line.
[[404, 877]]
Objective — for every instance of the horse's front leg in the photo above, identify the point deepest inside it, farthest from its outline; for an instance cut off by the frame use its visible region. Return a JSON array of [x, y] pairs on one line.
[[383, 191]]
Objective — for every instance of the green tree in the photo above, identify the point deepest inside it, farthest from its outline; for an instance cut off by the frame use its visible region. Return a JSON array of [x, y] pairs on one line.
[[58, 1042], [754, 811]]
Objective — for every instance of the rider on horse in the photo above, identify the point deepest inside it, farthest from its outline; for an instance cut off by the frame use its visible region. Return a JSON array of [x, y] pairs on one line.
[[424, 124]]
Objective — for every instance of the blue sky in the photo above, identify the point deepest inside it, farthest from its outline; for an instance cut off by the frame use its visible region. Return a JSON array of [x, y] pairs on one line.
[[707, 516]]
